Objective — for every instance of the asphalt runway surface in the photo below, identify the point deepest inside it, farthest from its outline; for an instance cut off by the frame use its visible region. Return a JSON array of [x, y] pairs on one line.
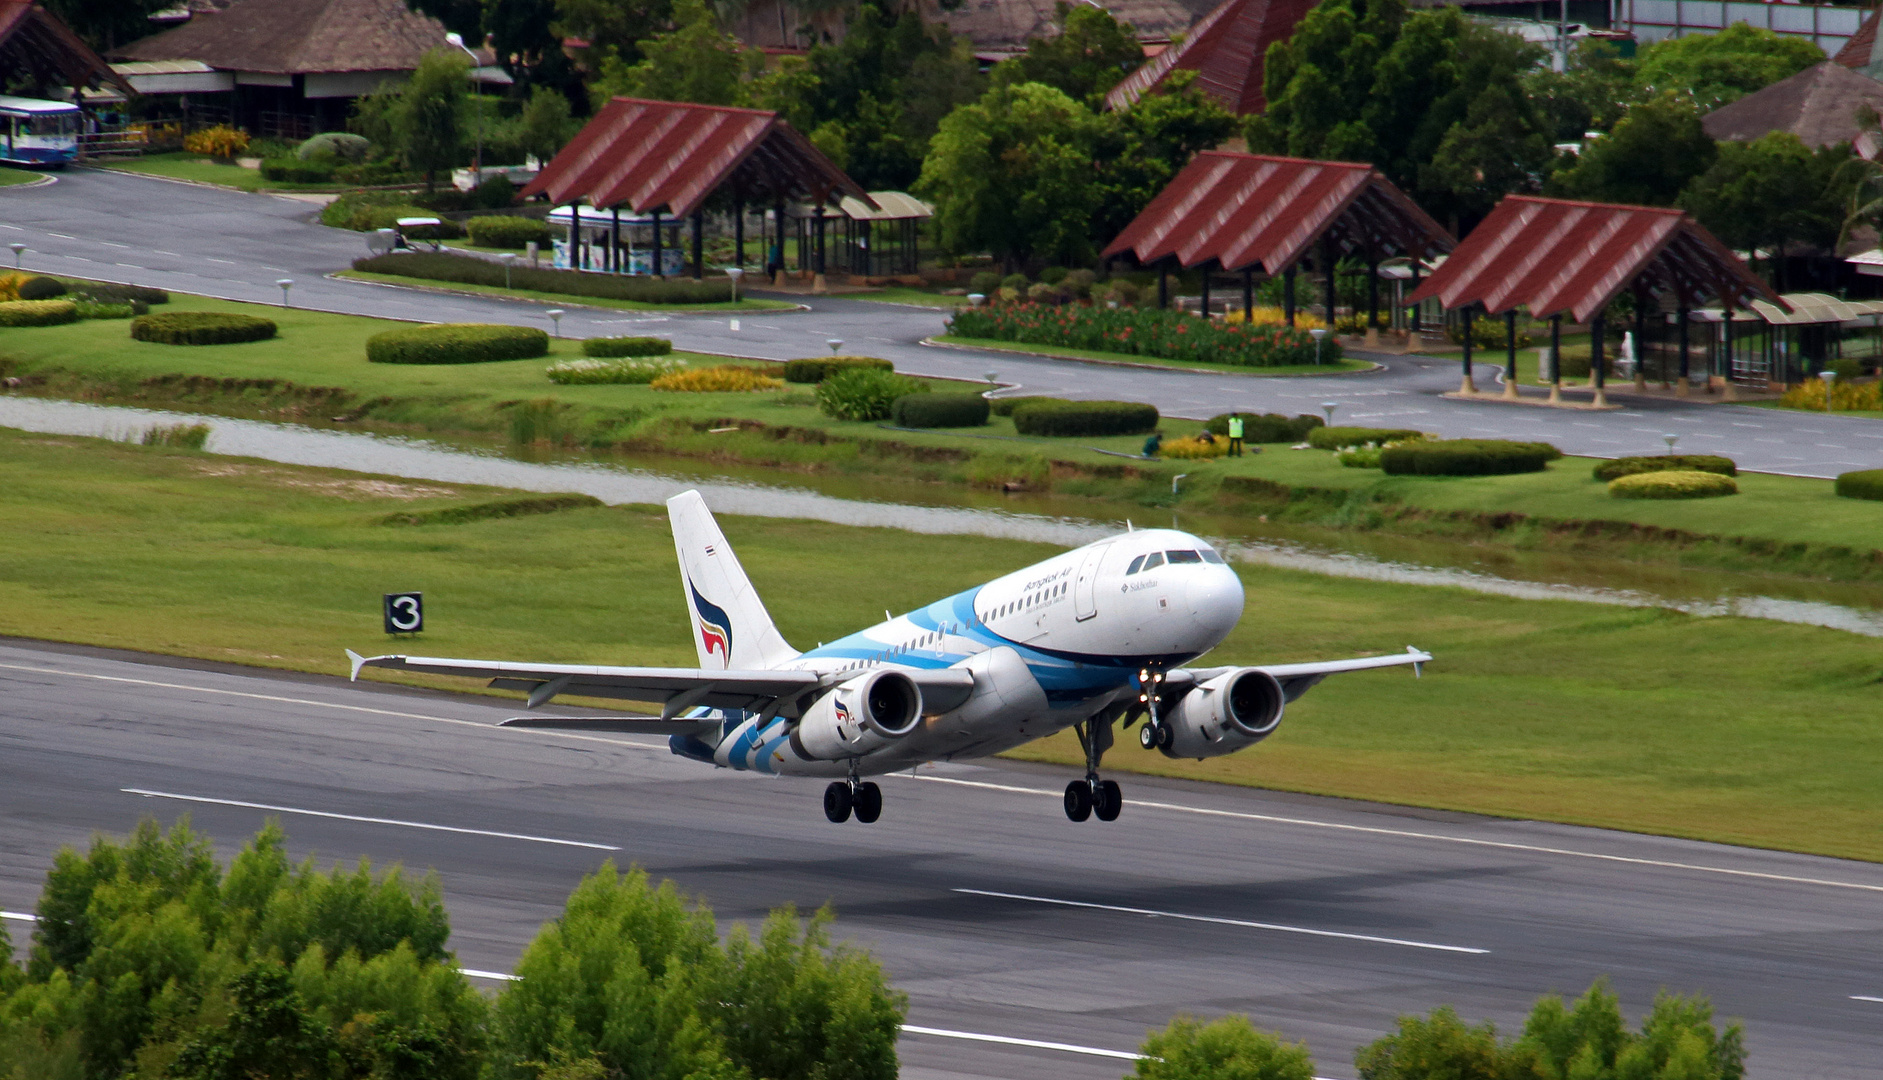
[[1320, 918], [200, 239]]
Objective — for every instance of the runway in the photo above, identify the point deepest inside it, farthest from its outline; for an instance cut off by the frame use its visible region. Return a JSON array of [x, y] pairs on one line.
[[1029, 946]]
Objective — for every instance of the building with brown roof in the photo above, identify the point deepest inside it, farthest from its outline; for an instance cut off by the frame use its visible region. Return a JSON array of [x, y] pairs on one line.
[[1228, 49], [36, 44], [1820, 105]]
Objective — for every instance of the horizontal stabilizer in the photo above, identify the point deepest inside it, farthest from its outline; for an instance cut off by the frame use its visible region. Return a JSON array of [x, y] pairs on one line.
[[623, 725]]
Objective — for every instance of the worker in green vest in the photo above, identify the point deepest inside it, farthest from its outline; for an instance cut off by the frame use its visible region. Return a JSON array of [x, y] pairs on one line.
[[1235, 435]]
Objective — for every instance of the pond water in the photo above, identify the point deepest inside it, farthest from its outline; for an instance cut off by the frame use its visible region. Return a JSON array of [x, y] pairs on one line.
[[1856, 608]]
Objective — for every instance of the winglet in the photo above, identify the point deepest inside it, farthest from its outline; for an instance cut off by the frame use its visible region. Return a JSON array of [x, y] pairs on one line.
[[358, 662], [1418, 666]]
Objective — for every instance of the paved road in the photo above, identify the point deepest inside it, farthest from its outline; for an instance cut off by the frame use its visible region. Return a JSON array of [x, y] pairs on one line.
[[200, 239], [1320, 918]]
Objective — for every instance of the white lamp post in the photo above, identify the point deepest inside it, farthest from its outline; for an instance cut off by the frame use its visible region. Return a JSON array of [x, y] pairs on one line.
[[509, 259], [1328, 407], [1318, 334], [1670, 440], [555, 315], [1829, 377], [477, 155], [18, 250], [735, 273], [835, 344], [285, 284], [976, 299]]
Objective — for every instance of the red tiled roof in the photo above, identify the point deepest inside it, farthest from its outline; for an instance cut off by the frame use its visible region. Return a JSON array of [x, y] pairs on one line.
[[1856, 51], [34, 39], [648, 155], [1227, 48], [1245, 210], [1553, 257]]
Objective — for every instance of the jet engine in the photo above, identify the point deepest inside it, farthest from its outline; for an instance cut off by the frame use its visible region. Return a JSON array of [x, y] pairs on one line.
[[1225, 714], [860, 716]]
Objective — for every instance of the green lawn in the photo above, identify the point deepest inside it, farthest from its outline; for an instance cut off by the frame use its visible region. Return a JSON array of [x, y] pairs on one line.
[[903, 294], [183, 165], [1725, 729], [1151, 361], [11, 175], [745, 303]]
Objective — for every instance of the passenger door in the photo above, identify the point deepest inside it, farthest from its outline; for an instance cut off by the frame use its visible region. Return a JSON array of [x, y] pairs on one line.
[[1085, 587]]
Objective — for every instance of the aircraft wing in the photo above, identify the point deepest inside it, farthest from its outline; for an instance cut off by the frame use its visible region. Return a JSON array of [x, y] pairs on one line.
[[1298, 679]]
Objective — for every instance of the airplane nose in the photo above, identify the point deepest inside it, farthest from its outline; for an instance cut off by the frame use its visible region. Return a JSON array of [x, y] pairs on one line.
[[1215, 594]]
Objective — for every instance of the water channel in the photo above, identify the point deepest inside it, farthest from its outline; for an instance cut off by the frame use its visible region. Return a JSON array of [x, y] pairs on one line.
[[1855, 608]]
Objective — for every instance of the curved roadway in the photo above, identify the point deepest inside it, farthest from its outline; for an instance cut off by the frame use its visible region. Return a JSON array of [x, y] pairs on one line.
[[1320, 918], [194, 238]]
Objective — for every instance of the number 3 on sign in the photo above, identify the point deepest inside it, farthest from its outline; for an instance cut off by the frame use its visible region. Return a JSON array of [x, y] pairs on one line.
[[405, 612]]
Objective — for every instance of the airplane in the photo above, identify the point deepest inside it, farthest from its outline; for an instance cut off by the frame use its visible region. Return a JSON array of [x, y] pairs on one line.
[[1093, 638]]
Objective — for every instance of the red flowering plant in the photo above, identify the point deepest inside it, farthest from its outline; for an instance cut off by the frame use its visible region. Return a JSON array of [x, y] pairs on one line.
[[1167, 335]]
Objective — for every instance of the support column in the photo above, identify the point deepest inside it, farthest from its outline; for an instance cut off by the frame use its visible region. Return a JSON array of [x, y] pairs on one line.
[[1726, 353], [1373, 304], [699, 245], [614, 240], [1288, 296], [575, 236], [1641, 338], [1597, 377], [1248, 296], [657, 268], [777, 268], [1468, 387], [1416, 308], [1204, 307], [1510, 353], [817, 253], [738, 233], [1327, 265], [1683, 387], [1163, 284], [1556, 359]]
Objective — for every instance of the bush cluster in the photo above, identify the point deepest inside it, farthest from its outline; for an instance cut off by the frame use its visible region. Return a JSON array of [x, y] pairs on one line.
[[1862, 484], [1085, 418], [92, 309], [1845, 396], [1267, 427], [507, 231], [626, 346], [470, 270], [105, 292], [41, 288], [201, 328], [220, 141], [1194, 447], [1672, 484], [364, 211], [616, 371], [297, 171], [335, 144], [864, 392], [944, 410], [456, 343], [1488, 334], [734, 378], [1466, 457], [37, 312], [1629, 466], [818, 368], [1167, 335], [1333, 438]]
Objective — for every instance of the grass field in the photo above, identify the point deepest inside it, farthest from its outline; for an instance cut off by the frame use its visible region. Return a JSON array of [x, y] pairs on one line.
[[11, 175], [745, 303], [182, 165], [903, 294], [1725, 729], [1152, 361]]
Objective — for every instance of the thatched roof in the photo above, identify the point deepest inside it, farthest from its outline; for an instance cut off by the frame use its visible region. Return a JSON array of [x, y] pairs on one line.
[[1819, 105], [299, 36], [34, 41]]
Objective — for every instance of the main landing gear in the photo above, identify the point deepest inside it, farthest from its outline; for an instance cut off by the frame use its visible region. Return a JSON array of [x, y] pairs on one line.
[[1091, 795], [1154, 734], [860, 797]]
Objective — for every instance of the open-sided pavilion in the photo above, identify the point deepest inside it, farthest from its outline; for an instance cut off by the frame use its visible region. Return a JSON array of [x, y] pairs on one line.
[[1253, 213], [664, 158], [1555, 257], [37, 47]]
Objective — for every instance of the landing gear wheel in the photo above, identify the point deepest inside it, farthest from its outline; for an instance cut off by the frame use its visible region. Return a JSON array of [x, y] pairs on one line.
[[1079, 800], [1164, 736], [869, 802], [1147, 735], [837, 802], [1107, 800]]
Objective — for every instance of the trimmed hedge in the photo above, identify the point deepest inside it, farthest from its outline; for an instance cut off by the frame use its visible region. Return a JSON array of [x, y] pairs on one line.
[[1004, 406], [507, 231], [939, 410], [1466, 457], [818, 368], [1169, 335], [456, 343], [105, 292], [37, 312], [1672, 484], [471, 270], [621, 370], [296, 171], [41, 288], [1085, 418], [1862, 484], [1333, 438], [1630, 466], [626, 346], [1266, 428], [201, 328]]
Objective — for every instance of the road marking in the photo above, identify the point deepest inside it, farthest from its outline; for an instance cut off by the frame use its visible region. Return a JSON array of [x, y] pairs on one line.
[[1037, 1044], [1409, 834], [225, 262], [368, 820], [18, 916], [1866, 997], [630, 744], [108, 243], [1408, 943], [62, 236], [498, 975]]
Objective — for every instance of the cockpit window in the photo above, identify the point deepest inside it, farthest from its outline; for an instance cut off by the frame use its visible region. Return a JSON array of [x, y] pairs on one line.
[[1155, 558], [1135, 564], [1183, 557], [1210, 556]]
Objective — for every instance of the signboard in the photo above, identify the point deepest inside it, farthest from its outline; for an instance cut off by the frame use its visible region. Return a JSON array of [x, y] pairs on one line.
[[404, 612]]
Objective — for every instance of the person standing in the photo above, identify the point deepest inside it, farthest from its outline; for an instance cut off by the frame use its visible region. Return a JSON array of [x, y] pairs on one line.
[[1235, 435]]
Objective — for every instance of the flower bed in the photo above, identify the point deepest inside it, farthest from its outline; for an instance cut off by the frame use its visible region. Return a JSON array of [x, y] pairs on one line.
[[1167, 335]]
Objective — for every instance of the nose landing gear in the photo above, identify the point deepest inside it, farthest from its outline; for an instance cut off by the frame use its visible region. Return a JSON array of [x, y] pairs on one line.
[[1155, 734], [1092, 796], [853, 796]]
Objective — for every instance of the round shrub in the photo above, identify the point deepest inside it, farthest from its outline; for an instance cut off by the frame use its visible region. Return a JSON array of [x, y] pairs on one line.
[[1266, 428], [617, 371], [626, 346], [1014, 281], [1629, 466], [201, 328], [1085, 418], [818, 368], [864, 393], [1333, 438], [505, 231], [984, 282], [456, 343], [1863, 484], [340, 144], [37, 312], [296, 171], [1465, 457], [41, 288], [726, 378], [939, 410], [1672, 484], [1004, 406]]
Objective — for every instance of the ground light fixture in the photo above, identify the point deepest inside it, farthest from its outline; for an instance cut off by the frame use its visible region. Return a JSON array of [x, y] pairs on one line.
[[1670, 440], [1829, 377], [1319, 334], [735, 273], [18, 250], [509, 259], [1175, 480], [976, 299], [284, 284], [1328, 407], [993, 380], [834, 343], [555, 315]]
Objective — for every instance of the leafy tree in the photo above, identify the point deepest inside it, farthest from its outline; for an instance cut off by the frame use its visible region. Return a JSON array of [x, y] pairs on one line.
[[1773, 191], [696, 62], [462, 17], [1090, 55], [522, 32], [1592, 95], [1225, 1049], [1436, 1046], [613, 27], [1138, 151], [544, 125], [1714, 69], [268, 1033], [1650, 157], [425, 120], [107, 24], [1012, 174]]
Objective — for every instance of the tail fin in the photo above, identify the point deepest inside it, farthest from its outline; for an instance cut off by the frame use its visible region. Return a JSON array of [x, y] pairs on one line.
[[731, 628]]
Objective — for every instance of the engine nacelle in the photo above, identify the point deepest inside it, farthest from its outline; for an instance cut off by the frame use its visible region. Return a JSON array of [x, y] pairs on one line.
[[1225, 714], [860, 716]]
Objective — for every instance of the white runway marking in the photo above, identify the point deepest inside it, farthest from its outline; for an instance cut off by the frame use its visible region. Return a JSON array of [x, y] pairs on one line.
[[1375, 830], [1865, 997], [1037, 1044], [1410, 944], [18, 916], [498, 975], [367, 820]]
